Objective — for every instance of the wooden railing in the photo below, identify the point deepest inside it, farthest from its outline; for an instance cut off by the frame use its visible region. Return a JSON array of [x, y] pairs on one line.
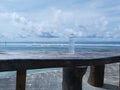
[[72, 68]]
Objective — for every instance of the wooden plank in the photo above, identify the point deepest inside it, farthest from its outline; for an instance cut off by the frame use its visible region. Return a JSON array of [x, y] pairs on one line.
[[21, 79], [72, 78], [96, 77], [12, 65]]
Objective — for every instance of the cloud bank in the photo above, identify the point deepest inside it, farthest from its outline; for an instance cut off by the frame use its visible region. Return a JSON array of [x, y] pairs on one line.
[[88, 19]]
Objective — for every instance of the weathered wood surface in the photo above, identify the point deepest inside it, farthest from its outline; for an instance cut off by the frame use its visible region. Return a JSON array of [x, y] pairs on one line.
[[21, 61], [96, 77], [21, 79], [10, 61], [72, 78]]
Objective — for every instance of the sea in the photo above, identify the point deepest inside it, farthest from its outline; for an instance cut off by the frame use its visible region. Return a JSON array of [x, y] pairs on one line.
[[54, 46], [78, 46]]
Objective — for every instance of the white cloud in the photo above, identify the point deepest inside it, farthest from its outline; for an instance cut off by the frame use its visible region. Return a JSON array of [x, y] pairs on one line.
[[18, 18], [63, 23], [93, 23], [88, 20]]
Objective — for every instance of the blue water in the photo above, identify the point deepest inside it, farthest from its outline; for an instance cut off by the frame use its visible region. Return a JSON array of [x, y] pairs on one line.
[[78, 48], [58, 46]]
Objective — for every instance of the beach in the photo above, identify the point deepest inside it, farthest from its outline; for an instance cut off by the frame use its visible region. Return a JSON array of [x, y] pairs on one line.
[[52, 80]]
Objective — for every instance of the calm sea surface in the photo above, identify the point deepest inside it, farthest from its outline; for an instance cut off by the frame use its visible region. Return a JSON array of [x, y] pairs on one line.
[[5, 46]]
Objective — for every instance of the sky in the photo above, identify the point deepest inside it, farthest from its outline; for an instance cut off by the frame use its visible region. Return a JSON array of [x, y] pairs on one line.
[[42, 20]]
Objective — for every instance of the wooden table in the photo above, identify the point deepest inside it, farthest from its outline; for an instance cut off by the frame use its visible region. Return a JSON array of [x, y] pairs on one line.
[[74, 65]]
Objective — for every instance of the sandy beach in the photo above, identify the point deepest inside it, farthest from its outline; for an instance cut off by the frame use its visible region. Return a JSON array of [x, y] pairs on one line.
[[52, 80]]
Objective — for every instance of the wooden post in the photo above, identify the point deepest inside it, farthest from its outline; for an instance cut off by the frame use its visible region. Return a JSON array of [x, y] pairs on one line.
[[96, 77], [119, 76], [21, 79], [72, 78]]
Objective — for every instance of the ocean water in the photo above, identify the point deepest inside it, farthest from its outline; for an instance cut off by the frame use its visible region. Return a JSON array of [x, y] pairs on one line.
[[6, 46], [64, 47]]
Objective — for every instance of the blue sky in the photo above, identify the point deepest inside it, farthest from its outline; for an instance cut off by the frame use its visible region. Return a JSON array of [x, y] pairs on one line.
[[44, 19]]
